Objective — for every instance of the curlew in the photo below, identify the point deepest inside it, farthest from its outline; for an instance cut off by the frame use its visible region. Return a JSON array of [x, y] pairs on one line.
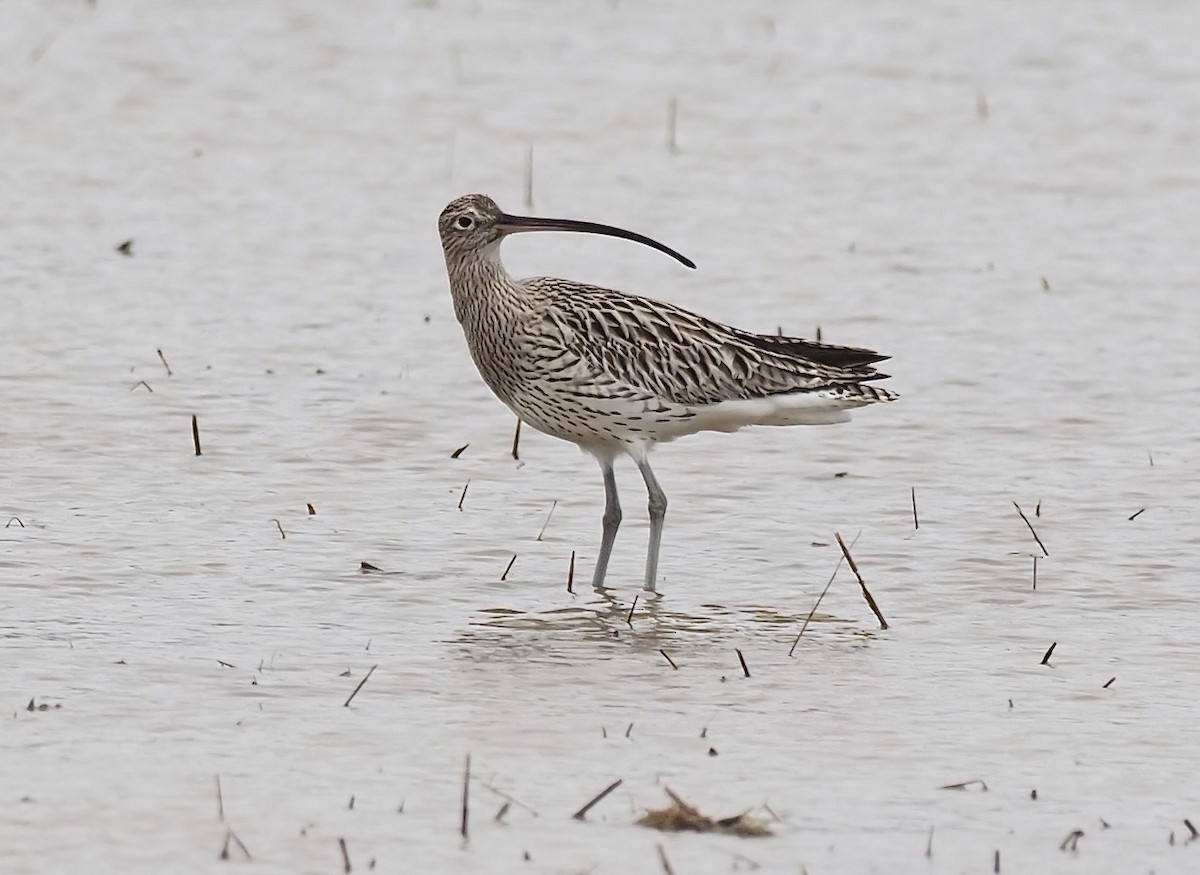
[[617, 373]]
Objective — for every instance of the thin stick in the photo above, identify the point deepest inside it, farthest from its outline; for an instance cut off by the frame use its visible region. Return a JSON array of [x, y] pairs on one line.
[[672, 121], [742, 660], [507, 797], [279, 526], [582, 812], [141, 383], [516, 440], [162, 358], [571, 574], [459, 451], [629, 617], [662, 858], [1071, 841], [668, 659], [196, 434], [1031, 531], [929, 844], [463, 826], [1109, 682], [508, 567], [220, 800], [345, 855], [1035, 559], [463, 497], [1046, 655], [370, 671], [553, 505], [916, 522], [529, 177], [1138, 514], [862, 585], [231, 835], [817, 603]]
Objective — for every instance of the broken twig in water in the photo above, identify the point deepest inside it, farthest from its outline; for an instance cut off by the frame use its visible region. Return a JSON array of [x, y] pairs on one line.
[[582, 812], [1031, 529], [967, 785], [162, 358], [1071, 841], [916, 522], [220, 800], [195, 433], [141, 383], [1137, 514], [861, 583], [508, 798], [529, 177], [553, 505], [742, 660], [672, 123], [345, 856], [571, 574], [231, 835], [366, 677], [279, 525], [662, 858], [463, 497], [1046, 655], [459, 451], [629, 616], [463, 827], [668, 659], [817, 603], [508, 567]]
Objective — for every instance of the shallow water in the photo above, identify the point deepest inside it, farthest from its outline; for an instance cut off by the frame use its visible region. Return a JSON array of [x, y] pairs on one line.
[[1004, 200]]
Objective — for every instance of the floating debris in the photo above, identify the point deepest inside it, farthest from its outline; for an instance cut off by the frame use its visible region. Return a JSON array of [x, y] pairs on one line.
[[679, 816]]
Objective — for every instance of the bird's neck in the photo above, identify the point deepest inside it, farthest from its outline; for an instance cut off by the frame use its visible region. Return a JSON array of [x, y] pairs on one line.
[[481, 287]]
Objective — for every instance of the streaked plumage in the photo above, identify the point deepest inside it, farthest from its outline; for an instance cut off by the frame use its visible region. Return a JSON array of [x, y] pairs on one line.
[[617, 373]]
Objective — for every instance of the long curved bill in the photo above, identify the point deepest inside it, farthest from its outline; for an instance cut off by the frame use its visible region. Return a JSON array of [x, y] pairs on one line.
[[518, 224]]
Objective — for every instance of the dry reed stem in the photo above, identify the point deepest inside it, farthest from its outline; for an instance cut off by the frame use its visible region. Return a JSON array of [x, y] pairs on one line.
[[582, 812], [883, 624], [366, 677], [1031, 529]]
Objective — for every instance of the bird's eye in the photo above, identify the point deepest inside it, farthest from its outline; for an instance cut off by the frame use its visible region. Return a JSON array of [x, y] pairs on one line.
[[464, 222]]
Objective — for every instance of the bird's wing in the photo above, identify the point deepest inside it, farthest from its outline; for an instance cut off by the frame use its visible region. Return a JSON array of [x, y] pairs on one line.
[[682, 357]]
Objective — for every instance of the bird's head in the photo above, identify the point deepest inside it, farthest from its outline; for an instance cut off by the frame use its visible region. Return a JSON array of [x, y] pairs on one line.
[[472, 226]]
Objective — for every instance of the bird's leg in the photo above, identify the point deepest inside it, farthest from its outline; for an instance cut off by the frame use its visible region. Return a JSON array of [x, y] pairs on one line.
[[658, 511], [612, 520]]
